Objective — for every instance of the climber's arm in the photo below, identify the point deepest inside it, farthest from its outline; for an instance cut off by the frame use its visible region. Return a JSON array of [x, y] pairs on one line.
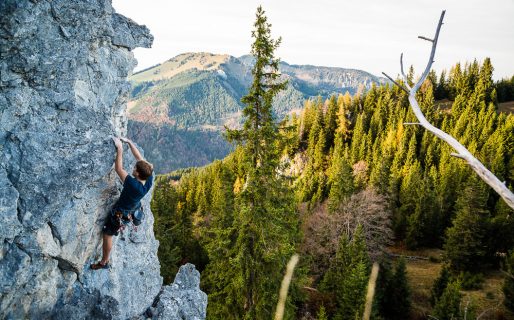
[[118, 163], [133, 148]]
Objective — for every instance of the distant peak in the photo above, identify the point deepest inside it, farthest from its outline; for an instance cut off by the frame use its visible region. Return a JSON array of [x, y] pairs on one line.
[[205, 61]]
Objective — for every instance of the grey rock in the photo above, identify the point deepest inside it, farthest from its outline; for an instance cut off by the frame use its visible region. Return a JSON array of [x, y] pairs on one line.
[[63, 93], [183, 299], [129, 34], [10, 226]]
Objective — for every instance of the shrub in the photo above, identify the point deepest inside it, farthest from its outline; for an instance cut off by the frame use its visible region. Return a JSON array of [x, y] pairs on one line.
[[470, 281]]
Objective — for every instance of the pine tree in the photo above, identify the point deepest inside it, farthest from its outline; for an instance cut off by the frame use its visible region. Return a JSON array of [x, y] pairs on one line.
[[400, 295], [383, 287], [265, 214], [340, 180], [448, 305], [441, 91], [164, 202], [465, 247], [393, 293], [486, 81], [343, 126], [322, 313], [347, 277], [319, 178], [440, 284], [331, 121], [423, 224], [409, 198], [358, 139]]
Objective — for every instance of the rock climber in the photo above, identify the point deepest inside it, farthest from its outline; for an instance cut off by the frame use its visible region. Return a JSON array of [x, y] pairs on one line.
[[134, 189]]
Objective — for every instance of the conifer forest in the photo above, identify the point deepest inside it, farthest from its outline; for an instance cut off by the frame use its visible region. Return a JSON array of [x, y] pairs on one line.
[[348, 182]]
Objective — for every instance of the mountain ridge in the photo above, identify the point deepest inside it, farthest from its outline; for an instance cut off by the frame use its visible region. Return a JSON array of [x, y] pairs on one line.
[[202, 92]]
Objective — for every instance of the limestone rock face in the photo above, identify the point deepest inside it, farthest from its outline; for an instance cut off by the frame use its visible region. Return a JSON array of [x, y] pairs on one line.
[[63, 89], [183, 299]]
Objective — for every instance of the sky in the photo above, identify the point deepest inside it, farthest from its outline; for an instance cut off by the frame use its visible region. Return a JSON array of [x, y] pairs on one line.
[[368, 35]]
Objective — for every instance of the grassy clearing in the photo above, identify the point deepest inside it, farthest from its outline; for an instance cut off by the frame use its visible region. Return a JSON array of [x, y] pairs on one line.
[[181, 63], [445, 105], [422, 273], [507, 107]]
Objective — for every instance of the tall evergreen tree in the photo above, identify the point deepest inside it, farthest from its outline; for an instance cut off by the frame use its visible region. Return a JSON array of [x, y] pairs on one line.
[[347, 277], [265, 214], [448, 305], [331, 122], [400, 296], [340, 177], [440, 284], [164, 202], [393, 293], [465, 247], [322, 313]]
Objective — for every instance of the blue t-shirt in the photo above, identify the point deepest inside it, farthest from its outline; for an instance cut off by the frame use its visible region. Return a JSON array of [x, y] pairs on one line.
[[133, 191]]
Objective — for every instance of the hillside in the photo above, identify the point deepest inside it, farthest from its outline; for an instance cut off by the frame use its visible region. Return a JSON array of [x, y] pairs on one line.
[[365, 188], [202, 92]]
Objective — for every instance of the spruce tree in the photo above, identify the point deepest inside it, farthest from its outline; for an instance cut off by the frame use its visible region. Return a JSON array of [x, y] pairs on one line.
[[331, 121], [448, 305], [465, 247], [393, 293], [265, 217], [440, 284], [347, 277], [164, 202], [400, 293], [322, 313], [340, 177]]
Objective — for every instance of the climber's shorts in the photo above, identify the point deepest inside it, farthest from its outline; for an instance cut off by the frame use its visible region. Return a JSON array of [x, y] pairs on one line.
[[112, 225]]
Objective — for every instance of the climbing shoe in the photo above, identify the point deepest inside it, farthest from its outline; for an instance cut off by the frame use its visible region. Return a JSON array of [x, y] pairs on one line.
[[99, 265]]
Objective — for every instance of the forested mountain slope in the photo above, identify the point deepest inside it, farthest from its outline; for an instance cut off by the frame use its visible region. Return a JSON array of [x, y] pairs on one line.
[[362, 181], [201, 92]]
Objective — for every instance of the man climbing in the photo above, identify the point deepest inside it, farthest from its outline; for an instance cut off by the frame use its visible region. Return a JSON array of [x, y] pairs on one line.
[[134, 189]]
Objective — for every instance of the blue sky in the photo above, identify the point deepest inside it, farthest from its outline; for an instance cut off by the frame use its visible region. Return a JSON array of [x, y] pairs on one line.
[[367, 34]]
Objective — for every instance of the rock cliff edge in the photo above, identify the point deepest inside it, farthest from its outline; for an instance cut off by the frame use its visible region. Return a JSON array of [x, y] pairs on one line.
[[63, 91]]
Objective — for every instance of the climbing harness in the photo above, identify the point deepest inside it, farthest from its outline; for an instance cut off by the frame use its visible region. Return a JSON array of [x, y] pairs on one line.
[[126, 217]]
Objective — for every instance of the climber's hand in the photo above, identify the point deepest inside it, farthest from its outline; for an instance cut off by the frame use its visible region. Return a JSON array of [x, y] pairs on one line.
[[125, 140], [117, 143]]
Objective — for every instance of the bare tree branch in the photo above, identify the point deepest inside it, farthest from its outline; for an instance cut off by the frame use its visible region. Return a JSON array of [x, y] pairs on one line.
[[396, 83], [456, 155], [405, 78], [463, 153], [425, 38]]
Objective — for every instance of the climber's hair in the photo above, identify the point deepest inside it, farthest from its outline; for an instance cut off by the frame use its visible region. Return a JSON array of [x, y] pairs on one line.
[[144, 169]]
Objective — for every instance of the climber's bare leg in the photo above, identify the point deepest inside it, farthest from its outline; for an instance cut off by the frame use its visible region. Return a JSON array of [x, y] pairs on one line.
[[106, 248]]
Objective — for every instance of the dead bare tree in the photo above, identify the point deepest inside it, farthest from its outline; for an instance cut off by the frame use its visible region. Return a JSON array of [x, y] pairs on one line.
[[322, 229], [462, 153]]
